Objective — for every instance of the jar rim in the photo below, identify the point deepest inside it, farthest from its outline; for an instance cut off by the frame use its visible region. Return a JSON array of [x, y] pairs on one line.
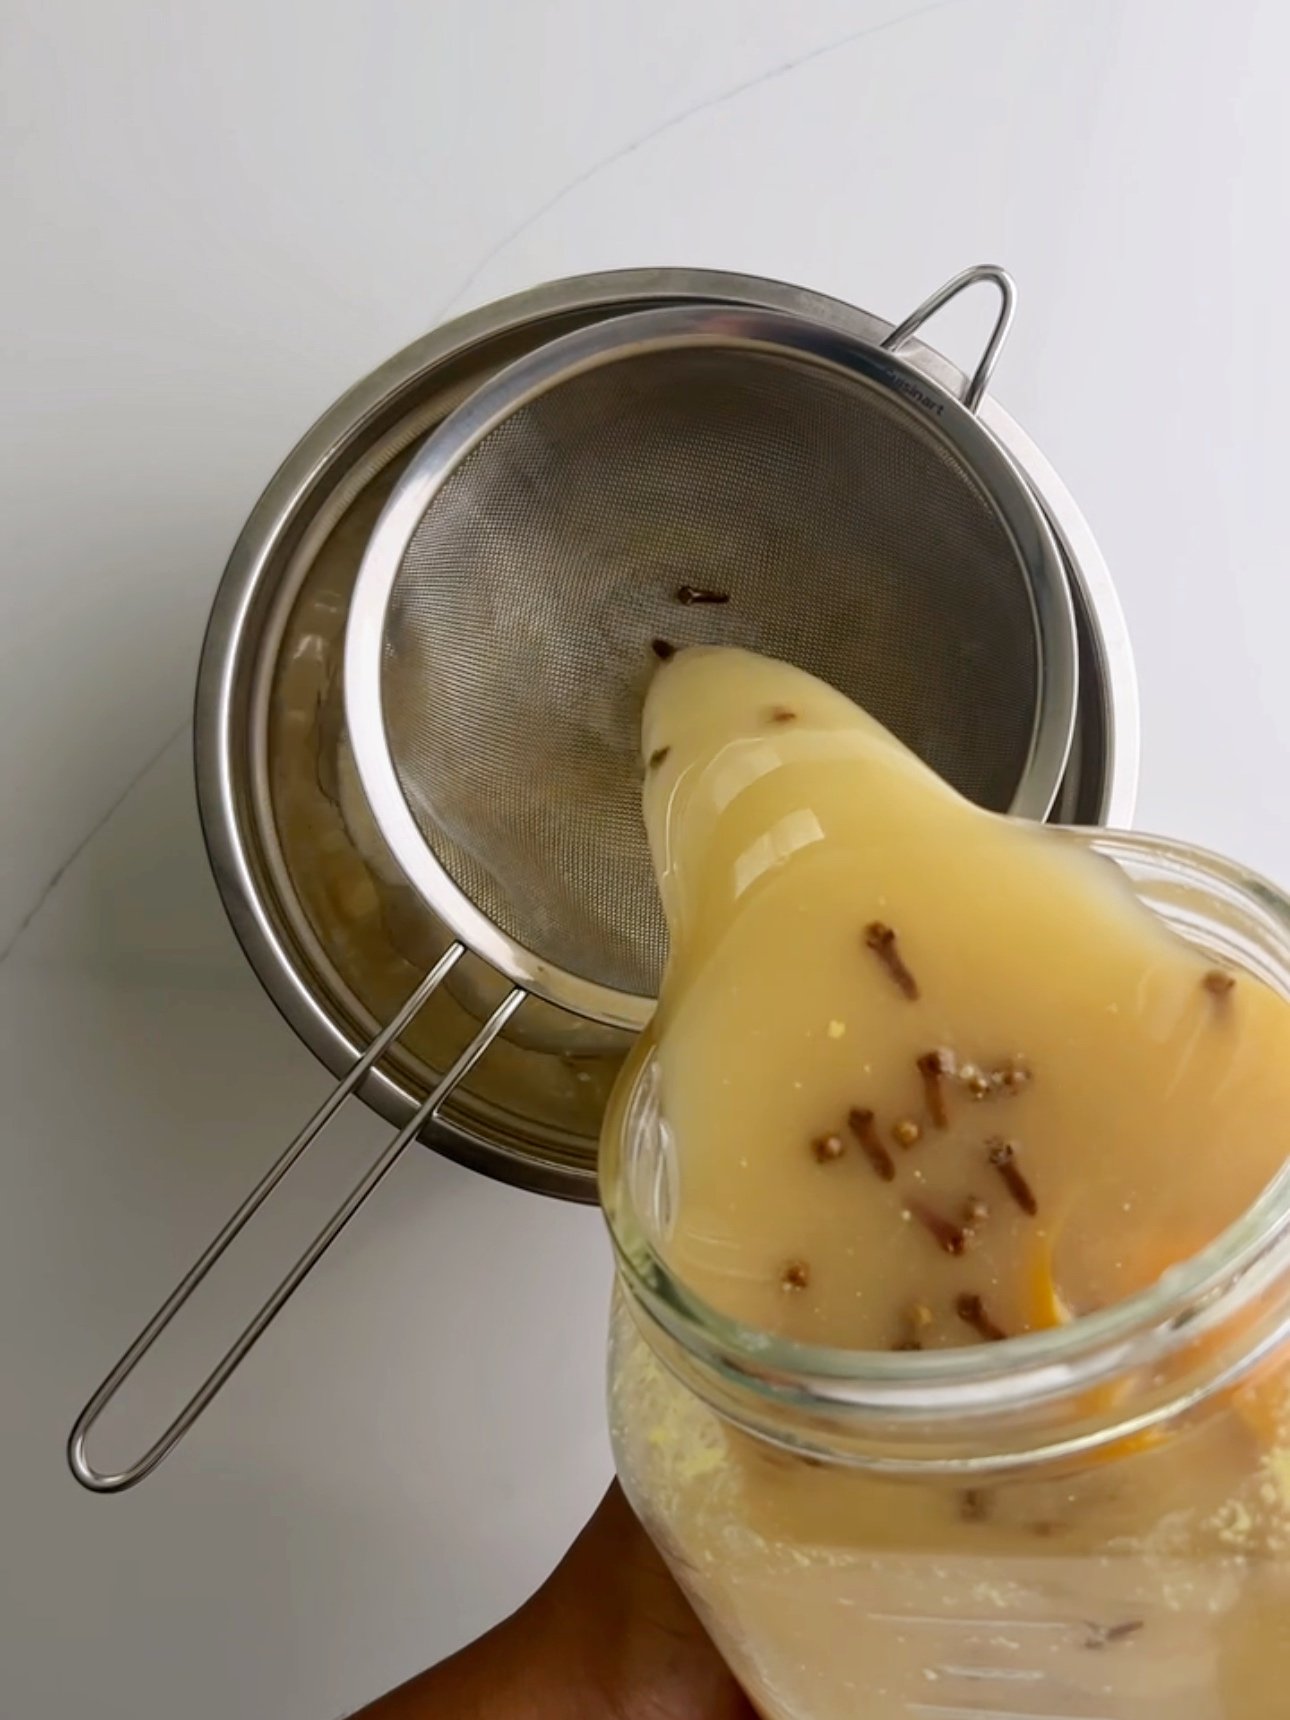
[[918, 1395]]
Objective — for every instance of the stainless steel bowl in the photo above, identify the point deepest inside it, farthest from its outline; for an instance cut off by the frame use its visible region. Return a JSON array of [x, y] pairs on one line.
[[336, 936]]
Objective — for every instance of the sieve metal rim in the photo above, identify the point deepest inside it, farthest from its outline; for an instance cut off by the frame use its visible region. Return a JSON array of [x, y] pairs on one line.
[[614, 340]]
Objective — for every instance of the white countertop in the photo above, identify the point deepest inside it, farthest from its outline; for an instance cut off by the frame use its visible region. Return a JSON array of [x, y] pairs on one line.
[[221, 216]]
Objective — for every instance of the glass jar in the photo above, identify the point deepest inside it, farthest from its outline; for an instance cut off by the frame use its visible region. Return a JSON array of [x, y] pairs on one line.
[[1091, 1522]]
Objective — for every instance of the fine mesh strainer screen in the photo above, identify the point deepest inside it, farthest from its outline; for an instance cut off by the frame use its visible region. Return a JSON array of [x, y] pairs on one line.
[[847, 538]]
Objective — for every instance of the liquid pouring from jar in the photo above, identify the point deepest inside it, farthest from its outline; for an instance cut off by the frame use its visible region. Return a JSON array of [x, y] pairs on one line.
[[933, 1077]]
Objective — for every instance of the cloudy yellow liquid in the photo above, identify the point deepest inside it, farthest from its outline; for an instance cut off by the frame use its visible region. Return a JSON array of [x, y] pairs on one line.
[[912, 1052], [932, 1079]]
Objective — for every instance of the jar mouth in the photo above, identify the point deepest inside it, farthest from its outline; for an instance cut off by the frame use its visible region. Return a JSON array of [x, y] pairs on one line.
[[933, 1399]]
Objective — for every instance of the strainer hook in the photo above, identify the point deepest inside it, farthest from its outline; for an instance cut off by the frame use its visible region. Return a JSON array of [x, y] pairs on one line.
[[995, 277]]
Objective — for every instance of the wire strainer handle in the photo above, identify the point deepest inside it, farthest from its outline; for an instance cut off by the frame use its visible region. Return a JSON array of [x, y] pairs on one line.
[[99, 1481], [994, 276]]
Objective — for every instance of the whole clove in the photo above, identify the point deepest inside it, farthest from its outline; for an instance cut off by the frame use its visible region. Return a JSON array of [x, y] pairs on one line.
[[882, 941], [1105, 1635], [688, 594], [935, 1067], [865, 1130], [947, 1235], [974, 1505], [972, 1311], [796, 1276], [1005, 1081], [1013, 1078], [827, 1148], [1003, 1156]]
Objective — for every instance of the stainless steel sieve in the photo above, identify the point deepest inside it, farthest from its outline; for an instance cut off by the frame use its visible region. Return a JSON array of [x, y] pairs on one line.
[[696, 473], [571, 520]]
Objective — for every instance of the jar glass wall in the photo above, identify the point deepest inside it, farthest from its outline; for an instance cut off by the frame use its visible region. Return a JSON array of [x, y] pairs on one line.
[[1090, 1523]]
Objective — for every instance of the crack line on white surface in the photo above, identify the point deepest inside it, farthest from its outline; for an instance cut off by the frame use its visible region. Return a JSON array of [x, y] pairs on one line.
[[61, 872], [784, 69]]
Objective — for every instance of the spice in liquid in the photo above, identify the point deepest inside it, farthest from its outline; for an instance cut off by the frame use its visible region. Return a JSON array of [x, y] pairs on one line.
[[927, 1052], [933, 1078]]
